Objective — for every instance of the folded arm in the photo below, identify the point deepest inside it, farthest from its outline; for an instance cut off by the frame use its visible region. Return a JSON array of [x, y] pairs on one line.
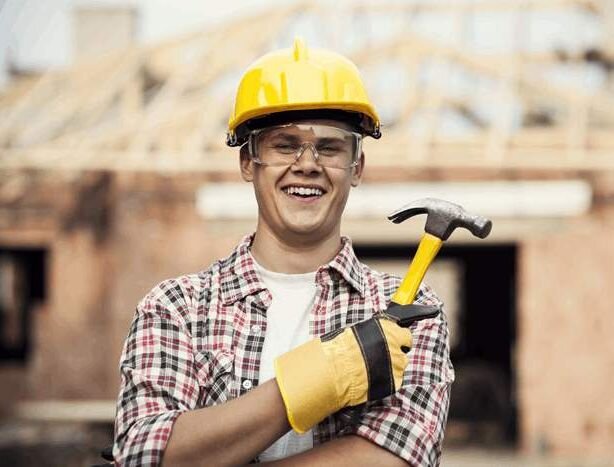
[[158, 419], [159, 423], [411, 423]]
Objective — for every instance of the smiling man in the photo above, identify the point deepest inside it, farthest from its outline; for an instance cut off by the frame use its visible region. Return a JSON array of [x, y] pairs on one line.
[[281, 352]]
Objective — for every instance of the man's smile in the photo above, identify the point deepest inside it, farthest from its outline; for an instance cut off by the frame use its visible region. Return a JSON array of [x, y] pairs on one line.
[[304, 193]]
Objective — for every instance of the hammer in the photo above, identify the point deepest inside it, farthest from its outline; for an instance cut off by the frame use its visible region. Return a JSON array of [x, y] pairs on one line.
[[442, 217]]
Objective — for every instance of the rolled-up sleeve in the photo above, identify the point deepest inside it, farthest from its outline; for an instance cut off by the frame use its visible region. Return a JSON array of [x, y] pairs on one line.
[[411, 422], [158, 383]]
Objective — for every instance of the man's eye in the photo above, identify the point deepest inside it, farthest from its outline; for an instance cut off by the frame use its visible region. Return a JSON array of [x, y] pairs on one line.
[[285, 147], [330, 150]]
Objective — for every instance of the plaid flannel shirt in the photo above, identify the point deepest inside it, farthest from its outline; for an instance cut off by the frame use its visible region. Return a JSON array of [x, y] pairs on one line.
[[196, 341]]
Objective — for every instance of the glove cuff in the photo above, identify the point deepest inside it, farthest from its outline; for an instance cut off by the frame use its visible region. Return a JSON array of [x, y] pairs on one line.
[[306, 382]]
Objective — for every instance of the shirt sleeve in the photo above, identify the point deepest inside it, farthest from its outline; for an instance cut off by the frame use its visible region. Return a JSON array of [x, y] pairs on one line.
[[411, 422], [158, 383]]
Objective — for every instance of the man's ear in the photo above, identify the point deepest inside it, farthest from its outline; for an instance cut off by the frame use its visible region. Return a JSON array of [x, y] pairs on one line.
[[358, 170], [246, 164]]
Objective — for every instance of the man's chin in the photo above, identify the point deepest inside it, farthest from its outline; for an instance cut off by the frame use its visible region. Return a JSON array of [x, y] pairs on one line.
[[315, 226], [305, 230]]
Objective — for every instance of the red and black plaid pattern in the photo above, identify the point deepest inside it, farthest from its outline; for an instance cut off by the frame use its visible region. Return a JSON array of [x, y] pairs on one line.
[[196, 341]]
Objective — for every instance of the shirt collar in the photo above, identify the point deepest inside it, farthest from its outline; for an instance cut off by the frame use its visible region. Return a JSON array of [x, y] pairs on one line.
[[241, 278], [347, 264]]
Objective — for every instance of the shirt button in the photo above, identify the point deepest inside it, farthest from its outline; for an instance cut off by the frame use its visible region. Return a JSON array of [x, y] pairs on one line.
[[247, 384], [256, 328]]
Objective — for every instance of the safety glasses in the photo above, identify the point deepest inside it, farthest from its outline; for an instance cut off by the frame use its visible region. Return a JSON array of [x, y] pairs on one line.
[[283, 145]]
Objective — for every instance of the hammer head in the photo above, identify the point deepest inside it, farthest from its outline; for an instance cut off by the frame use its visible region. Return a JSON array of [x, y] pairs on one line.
[[442, 217]]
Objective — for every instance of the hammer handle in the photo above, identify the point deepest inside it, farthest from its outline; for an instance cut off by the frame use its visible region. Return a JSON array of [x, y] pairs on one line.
[[427, 250]]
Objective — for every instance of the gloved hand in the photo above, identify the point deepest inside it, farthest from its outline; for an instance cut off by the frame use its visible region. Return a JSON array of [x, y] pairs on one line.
[[343, 368]]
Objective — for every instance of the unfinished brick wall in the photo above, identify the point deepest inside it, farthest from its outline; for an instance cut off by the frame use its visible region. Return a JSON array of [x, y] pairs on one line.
[[70, 334], [565, 363], [157, 235], [103, 261], [110, 239]]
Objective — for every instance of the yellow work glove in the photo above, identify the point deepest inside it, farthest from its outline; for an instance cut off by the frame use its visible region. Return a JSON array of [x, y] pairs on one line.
[[343, 368]]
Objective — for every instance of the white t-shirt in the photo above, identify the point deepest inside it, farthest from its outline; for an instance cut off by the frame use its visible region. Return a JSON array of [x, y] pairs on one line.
[[287, 327]]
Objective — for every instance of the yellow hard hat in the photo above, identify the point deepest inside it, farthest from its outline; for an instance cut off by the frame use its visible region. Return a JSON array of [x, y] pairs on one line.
[[300, 81]]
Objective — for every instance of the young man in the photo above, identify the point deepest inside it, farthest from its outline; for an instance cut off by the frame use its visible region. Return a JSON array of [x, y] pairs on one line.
[[220, 365]]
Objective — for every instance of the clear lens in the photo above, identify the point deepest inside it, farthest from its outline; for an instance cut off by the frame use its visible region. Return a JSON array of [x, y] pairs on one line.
[[283, 145]]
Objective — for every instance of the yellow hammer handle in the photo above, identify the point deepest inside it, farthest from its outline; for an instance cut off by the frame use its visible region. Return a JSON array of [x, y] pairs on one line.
[[427, 250]]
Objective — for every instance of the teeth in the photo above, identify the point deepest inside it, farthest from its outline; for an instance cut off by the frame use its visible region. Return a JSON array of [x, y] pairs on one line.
[[299, 190]]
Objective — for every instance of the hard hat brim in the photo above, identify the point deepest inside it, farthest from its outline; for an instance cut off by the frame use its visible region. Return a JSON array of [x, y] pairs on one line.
[[356, 118]]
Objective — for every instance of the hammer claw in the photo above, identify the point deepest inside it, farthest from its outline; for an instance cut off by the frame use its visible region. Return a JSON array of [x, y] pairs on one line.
[[443, 217], [409, 210]]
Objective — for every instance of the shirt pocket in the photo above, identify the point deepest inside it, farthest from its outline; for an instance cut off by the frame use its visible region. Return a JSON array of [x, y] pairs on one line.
[[215, 377]]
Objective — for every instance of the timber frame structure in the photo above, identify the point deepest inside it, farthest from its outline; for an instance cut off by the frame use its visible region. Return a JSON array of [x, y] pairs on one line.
[[164, 108]]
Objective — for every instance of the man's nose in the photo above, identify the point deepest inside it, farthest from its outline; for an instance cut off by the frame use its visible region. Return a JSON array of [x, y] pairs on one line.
[[307, 160]]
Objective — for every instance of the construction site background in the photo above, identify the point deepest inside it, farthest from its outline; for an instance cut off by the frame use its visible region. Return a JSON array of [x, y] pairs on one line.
[[114, 175]]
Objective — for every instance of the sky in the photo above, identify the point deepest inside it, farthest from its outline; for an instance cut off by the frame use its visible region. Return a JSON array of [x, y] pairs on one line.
[[37, 34]]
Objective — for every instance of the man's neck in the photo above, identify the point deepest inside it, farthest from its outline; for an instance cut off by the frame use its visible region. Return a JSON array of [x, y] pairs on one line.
[[293, 257]]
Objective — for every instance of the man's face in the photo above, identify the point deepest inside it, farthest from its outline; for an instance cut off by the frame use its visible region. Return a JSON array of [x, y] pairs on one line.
[[302, 201]]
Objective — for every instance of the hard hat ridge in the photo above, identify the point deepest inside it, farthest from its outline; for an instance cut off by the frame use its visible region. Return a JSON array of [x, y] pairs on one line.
[[300, 49]]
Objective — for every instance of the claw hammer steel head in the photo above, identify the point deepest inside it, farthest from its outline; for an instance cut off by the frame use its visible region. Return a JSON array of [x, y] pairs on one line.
[[442, 218]]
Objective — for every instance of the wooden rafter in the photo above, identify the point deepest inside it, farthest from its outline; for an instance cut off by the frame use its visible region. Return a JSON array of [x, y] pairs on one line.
[[100, 114]]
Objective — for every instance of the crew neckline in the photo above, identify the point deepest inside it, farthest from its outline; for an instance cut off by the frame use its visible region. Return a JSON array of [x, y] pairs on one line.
[[283, 276]]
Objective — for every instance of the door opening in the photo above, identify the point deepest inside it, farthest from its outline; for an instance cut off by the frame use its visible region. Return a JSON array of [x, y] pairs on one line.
[[478, 287], [22, 287]]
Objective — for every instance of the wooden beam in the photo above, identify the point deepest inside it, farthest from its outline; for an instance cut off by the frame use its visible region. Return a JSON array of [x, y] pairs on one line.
[[70, 131], [391, 155]]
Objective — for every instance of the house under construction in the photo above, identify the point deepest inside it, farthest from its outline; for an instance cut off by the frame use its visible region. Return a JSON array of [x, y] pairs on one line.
[[115, 175]]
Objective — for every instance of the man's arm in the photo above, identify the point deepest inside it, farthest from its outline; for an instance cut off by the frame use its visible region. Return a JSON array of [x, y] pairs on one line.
[[411, 422], [232, 433], [347, 450], [157, 423], [163, 379], [157, 418], [247, 426]]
